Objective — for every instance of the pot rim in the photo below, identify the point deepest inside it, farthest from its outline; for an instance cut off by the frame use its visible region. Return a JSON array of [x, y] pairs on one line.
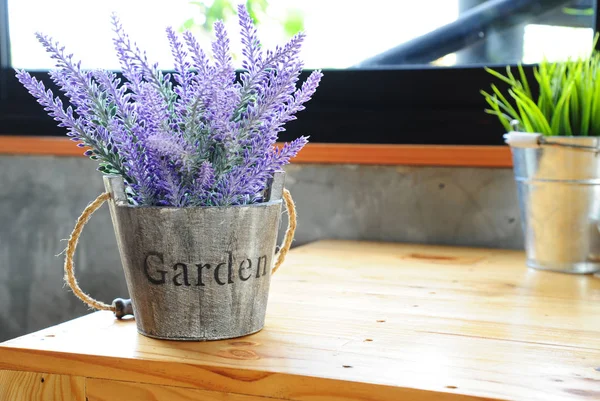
[[172, 208], [517, 139], [273, 195]]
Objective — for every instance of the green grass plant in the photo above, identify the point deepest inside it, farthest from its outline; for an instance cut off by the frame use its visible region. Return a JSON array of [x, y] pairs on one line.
[[566, 101]]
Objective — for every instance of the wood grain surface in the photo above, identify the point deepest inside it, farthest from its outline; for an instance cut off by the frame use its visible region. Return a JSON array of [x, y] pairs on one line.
[[110, 390], [31, 386], [327, 153], [365, 321]]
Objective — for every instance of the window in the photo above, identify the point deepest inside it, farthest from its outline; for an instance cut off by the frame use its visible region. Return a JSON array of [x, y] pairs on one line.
[[397, 71]]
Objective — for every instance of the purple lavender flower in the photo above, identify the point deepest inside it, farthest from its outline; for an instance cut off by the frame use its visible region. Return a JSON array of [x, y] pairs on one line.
[[206, 140]]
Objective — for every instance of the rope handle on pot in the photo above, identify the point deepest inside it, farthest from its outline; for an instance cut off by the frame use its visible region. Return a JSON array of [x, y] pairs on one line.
[[289, 232], [122, 307]]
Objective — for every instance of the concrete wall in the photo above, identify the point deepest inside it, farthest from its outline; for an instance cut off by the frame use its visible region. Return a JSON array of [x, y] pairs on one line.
[[40, 198]]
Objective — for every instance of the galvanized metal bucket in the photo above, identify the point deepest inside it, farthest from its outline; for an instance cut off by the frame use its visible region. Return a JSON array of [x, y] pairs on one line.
[[558, 182], [197, 273]]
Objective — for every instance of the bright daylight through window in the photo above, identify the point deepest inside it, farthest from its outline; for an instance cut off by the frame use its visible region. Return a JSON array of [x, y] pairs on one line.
[[343, 33]]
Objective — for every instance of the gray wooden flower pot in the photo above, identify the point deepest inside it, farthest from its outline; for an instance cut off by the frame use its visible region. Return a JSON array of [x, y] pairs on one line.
[[197, 273]]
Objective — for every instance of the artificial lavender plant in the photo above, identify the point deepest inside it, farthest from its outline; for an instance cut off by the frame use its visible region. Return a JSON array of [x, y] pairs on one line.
[[207, 139]]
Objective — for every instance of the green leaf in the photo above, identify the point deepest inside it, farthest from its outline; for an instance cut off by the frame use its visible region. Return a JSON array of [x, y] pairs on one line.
[[499, 76], [595, 108], [558, 123], [187, 25], [566, 120], [493, 102], [293, 23], [573, 107], [586, 109], [504, 103], [504, 119], [578, 11], [536, 117], [545, 101], [524, 81], [255, 7], [525, 121], [515, 82]]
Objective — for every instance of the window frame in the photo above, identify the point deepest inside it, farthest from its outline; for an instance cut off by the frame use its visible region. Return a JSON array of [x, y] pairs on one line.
[[411, 105]]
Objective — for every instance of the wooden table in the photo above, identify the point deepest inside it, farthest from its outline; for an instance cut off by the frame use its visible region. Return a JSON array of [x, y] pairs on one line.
[[347, 321]]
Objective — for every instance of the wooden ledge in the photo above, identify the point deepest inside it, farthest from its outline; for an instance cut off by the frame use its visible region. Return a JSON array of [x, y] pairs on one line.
[[329, 153]]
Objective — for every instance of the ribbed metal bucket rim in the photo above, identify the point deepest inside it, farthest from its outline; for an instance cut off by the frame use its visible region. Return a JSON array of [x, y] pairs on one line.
[[537, 140]]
